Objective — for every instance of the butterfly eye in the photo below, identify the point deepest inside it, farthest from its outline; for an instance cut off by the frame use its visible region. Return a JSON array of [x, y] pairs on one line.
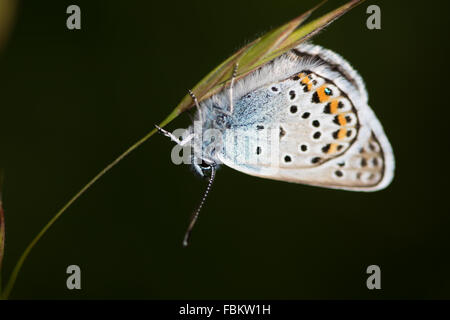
[[220, 120]]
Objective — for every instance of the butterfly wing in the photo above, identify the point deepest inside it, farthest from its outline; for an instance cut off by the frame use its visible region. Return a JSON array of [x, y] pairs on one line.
[[305, 119]]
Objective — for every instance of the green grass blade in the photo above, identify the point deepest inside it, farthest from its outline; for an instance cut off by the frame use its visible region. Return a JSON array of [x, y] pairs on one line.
[[305, 33], [272, 40], [314, 27]]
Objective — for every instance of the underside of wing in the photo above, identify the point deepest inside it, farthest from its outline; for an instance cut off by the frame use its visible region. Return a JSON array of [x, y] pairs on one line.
[[312, 126]]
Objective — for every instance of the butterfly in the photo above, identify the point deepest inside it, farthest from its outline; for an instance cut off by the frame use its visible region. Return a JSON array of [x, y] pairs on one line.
[[304, 118]]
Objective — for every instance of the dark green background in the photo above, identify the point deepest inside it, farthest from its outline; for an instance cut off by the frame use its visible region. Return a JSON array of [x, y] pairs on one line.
[[71, 101]]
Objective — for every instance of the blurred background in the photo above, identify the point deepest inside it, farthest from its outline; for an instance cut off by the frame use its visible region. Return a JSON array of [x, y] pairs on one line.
[[71, 101]]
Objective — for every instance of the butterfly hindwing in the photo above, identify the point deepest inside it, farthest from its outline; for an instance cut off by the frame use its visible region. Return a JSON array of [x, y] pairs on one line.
[[312, 107]]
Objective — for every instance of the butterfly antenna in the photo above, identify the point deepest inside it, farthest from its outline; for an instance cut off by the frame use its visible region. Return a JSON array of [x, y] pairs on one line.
[[194, 217]]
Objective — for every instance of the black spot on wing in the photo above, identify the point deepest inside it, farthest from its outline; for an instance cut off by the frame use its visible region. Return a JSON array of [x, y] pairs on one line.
[[315, 97]]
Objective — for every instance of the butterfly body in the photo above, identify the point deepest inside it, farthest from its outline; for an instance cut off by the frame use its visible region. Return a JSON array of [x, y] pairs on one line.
[[303, 118]]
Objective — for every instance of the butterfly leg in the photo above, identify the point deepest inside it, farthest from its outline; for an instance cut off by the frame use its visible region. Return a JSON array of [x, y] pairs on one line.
[[197, 105], [233, 77], [173, 137]]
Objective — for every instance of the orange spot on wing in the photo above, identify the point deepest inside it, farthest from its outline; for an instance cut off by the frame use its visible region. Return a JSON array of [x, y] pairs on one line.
[[341, 134], [341, 119], [323, 97], [307, 81], [334, 105], [333, 148]]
